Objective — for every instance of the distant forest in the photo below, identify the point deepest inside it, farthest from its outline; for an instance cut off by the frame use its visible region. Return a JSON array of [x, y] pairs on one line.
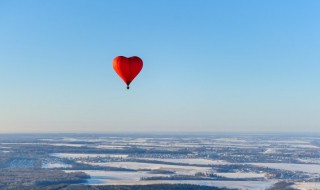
[[124, 187]]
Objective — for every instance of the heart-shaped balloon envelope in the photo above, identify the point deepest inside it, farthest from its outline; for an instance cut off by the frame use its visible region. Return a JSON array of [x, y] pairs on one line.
[[127, 68]]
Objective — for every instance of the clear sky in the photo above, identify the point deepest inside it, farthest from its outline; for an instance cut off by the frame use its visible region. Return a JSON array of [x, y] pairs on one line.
[[208, 65]]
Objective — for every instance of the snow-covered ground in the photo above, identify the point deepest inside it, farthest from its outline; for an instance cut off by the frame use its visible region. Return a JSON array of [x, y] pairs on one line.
[[270, 151], [55, 165], [201, 161], [288, 141], [309, 168], [133, 178], [183, 170], [66, 144], [307, 185], [310, 160], [72, 155], [111, 146], [99, 177], [68, 139], [52, 144], [231, 140], [305, 146]]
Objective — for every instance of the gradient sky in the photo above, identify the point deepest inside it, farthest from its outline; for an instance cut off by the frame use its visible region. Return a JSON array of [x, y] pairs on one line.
[[208, 65]]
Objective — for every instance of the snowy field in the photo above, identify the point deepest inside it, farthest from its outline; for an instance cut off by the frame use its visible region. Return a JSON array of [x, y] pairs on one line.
[[55, 165], [310, 160], [50, 144], [115, 177], [309, 168], [183, 170], [73, 156], [66, 144], [133, 178], [111, 147], [307, 185], [200, 161]]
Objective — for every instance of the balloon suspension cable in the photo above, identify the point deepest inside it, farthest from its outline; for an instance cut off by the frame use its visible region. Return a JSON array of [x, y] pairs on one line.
[[128, 87]]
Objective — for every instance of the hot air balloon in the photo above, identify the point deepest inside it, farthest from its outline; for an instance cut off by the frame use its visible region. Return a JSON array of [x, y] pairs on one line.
[[127, 68]]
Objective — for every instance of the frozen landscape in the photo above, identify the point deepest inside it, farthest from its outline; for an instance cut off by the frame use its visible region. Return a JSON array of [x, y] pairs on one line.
[[233, 161]]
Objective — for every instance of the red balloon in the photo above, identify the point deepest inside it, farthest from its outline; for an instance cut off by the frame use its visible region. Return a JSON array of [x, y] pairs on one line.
[[127, 68]]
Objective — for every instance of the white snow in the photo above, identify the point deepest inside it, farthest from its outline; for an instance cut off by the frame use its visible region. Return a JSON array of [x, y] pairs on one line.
[[133, 178], [74, 155], [309, 168], [55, 165], [307, 185], [99, 177], [310, 160], [305, 146], [270, 151], [66, 144], [201, 161], [183, 170], [111, 146]]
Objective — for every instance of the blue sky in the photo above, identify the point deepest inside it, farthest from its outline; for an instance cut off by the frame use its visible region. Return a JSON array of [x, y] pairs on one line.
[[208, 66]]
